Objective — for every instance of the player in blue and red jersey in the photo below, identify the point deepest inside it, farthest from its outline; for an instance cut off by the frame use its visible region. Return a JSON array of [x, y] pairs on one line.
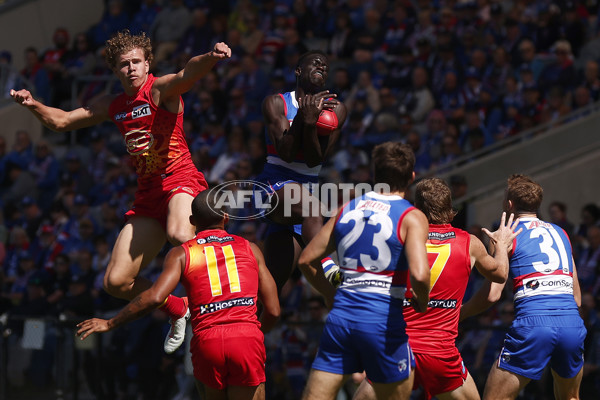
[[295, 152], [452, 254], [380, 241], [547, 327], [149, 115], [223, 276]]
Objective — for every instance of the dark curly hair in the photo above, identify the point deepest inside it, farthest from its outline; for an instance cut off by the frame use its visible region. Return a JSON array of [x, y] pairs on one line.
[[123, 42]]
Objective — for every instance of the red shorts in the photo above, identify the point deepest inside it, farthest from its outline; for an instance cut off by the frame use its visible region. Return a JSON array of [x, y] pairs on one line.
[[152, 196], [439, 374], [226, 355]]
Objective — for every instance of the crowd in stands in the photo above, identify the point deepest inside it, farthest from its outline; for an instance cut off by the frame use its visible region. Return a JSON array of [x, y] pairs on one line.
[[447, 77]]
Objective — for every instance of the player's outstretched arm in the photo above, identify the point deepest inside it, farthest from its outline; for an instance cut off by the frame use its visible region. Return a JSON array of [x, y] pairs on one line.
[[495, 268], [309, 261], [267, 292], [63, 121], [173, 85], [414, 232], [146, 301], [487, 295]]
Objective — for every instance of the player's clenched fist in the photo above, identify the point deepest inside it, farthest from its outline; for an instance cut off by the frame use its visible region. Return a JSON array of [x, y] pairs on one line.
[[22, 97], [221, 51]]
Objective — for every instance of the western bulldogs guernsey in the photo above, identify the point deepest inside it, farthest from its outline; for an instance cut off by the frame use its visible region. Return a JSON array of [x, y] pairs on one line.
[[372, 260], [153, 136], [221, 279], [435, 331], [275, 168], [541, 268]]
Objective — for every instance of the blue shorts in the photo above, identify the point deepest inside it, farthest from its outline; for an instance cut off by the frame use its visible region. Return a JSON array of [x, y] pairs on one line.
[[275, 178], [348, 347], [533, 341]]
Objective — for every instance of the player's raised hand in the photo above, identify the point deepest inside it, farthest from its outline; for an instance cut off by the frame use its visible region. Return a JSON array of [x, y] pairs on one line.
[[221, 51], [22, 97], [505, 233], [87, 327], [311, 105]]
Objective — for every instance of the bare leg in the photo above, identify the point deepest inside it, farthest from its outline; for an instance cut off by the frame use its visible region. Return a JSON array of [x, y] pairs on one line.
[[246, 392], [567, 388], [365, 391], [396, 390], [503, 385], [281, 255], [323, 385], [468, 391], [179, 228], [138, 243]]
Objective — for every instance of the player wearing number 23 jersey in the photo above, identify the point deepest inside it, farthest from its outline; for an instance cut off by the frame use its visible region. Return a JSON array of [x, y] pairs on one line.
[[370, 298], [380, 242]]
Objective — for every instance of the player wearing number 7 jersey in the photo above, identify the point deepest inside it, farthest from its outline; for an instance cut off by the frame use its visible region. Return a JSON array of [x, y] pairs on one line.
[[223, 275], [547, 327], [452, 253], [380, 241]]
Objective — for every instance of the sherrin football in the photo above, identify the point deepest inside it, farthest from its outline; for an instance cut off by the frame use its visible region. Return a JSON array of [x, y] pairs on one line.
[[327, 123]]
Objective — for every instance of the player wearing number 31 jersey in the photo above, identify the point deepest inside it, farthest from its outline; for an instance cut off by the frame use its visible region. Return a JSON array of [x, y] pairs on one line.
[[547, 326], [380, 238]]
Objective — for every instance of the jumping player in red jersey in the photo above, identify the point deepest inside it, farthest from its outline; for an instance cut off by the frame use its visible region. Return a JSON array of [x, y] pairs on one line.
[[223, 274], [452, 254], [149, 115]]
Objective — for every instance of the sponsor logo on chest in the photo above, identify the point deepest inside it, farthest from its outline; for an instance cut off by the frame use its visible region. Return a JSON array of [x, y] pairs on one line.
[[141, 111]]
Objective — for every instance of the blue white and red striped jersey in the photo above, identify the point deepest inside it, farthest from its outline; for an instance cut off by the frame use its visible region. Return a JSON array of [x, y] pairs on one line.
[[372, 259], [298, 168], [541, 269]]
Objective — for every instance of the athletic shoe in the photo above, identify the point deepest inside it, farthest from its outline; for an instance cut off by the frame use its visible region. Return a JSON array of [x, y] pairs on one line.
[[332, 271], [177, 333]]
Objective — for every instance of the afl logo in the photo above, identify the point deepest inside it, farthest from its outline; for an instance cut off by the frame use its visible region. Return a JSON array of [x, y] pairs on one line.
[[532, 285], [138, 141]]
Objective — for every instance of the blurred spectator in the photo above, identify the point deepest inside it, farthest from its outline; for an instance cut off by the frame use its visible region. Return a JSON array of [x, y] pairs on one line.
[[75, 170], [496, 73], [422, 156], [32, 216], [591, 79], [590, 216], [574, 30], [591, 367], [364, 88], [9, 79], [252, 36], [114, 19], [338, 44], [450, 99], [77, 62], [528, 57], [142, 19], [197, 39], [228, 158], [22, 149], [418, 101], [588, 263], [561, 71], [19, 183], [557, 212], [34, 73], [17, 246], [557, 105], [168, 28], [45, 170], [46, 247], [341, 84]]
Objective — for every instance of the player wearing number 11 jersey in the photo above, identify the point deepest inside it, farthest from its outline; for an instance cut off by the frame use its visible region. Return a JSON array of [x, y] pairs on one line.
[[223, 275], [547, 326]]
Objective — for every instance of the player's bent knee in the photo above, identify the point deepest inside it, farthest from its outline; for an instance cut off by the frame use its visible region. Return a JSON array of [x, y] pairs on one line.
[[177, 236], [117, 285]]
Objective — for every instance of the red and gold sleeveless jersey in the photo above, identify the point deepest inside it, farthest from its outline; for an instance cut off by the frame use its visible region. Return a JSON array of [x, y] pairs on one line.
[[153, 136], [435, 330], [221, 279]]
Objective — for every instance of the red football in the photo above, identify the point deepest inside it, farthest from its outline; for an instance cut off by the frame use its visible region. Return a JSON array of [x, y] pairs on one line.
[[327, 123]]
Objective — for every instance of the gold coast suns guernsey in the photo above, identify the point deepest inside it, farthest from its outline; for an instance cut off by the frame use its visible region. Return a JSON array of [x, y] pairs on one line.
[[153, 136], [221, 279], [449, 259]]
